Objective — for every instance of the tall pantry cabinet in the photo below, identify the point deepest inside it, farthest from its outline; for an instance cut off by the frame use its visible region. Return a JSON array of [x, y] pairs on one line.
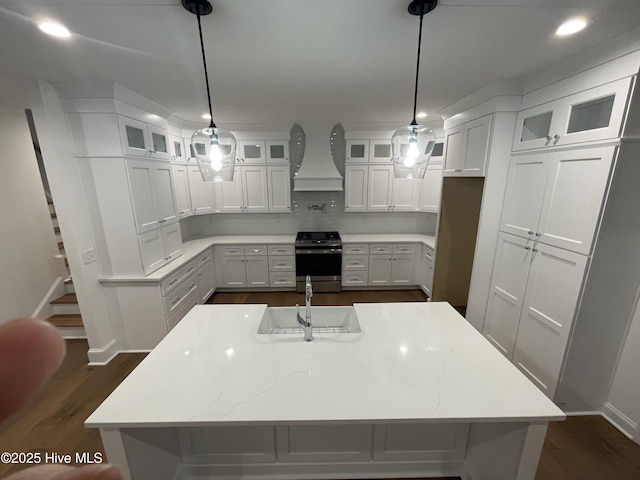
[[565, 153]]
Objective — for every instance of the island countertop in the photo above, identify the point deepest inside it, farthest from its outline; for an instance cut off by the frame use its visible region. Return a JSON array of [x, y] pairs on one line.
[[412, 362]]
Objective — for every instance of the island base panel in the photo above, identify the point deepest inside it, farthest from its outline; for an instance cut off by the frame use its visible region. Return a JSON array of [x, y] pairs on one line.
[[480, 451]]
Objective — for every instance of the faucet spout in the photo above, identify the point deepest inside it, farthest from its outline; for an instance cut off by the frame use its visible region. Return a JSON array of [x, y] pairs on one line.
[[306, 322]]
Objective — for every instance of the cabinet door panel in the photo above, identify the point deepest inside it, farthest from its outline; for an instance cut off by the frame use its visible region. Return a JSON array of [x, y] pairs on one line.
[[355, 186], [380, 187], [165, 194], [251, 151], [576, 188], [206, 282], [405, 194], [453, 150], [525, 192], [257, 271], [151, 251], [357, 150], [379, 270], [476, 144], [141, 184], [229, 194], [201, 192], [402, 270], [431, 188], [171, 238], [510, 272], [553, 290], [279, 188], [277, 151], [181, 182], [159, 142], [134, 136], [254, 188], [232, 272]]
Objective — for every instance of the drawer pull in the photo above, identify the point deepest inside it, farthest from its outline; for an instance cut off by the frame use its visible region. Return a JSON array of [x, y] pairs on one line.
[[176, 300], [173, 281], [256, 250], [381, 249], [190, 269], [192, 285], [205, 259]]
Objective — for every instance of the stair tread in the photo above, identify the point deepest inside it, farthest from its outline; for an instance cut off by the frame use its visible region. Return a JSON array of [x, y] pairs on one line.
[[70, 320], [68, 298], [68, 280], [56, 229]]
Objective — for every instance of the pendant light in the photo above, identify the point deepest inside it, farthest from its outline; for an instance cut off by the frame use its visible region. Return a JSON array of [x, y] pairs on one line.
[[215, 149], [412, 145]]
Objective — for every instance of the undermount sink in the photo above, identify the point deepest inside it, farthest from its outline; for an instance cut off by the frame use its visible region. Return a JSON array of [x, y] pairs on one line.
[[281, 320]]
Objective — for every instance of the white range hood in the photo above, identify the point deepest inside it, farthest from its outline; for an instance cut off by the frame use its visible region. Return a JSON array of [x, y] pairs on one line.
[[317, 172]]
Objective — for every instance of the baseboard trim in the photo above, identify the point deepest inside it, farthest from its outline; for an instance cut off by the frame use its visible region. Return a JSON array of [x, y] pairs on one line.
[[44, 310], [102, 356], [583, 414], [619, 420]]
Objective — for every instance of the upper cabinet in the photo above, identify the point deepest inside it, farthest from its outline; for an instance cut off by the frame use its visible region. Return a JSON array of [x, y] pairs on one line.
[[143, 139], [556, 197], [369, 151], [593, 115], [431, 188], [466, 148], [277, 151], [251, 151], [177, 150], [358, 151]]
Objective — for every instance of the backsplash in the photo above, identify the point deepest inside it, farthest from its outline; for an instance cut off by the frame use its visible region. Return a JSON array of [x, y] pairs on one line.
[[303, 219]]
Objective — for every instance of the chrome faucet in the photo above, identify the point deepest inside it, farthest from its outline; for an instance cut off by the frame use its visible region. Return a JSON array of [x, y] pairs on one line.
[[306, 322]]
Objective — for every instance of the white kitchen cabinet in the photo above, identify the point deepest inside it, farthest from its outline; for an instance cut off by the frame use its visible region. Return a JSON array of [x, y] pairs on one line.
[[279, 188], [592, 115], [535, 290], [467, 148], [251, 152], [402, 268], [379, 270], [426, 279], [380, 188], [158, 247], [206, 281], [556, 197], [142, 139], [356, 180], [152, 194], [177, 150], [181, 185], [257, 269], [277, 151], [380, 151], [231, 272], [242, 266], [357, 151], [247, 193], [550, 302], [391, 264], [201, 193], [431, 188], [404, 196]]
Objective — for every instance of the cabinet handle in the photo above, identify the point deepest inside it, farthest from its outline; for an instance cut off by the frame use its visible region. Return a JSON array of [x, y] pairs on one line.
[[535, 250], [530, 232], [548, 137], [256, 250], [192, 285], [173, 281], [190, 269], [538, 234], [527, 248], [176, 300]]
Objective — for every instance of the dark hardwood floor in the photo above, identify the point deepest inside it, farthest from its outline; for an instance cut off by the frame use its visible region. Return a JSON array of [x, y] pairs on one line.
[[581, 448]]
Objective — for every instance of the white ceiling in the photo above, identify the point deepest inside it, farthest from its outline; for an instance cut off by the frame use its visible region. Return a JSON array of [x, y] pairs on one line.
[[285, 61]]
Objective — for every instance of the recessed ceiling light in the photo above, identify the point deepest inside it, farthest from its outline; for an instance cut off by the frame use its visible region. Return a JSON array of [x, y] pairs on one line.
[[206, 116], [422, 115], [571, 26], [54, 29]]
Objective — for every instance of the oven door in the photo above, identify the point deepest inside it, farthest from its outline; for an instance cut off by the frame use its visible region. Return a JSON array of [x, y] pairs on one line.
[[323, 264]]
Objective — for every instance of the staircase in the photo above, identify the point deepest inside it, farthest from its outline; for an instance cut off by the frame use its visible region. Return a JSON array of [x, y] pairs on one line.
[[66, 312]]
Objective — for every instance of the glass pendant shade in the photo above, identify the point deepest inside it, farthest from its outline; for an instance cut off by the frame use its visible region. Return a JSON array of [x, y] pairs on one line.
[[411, 149], [215, 151]]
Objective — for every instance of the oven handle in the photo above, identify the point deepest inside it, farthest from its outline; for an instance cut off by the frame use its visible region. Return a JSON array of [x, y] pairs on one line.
[[318, 251]]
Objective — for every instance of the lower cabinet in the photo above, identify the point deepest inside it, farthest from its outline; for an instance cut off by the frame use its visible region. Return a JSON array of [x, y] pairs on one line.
[[378, 264], [255, 266], [206, 278], [426, 277], [534, 294], [159, 247]]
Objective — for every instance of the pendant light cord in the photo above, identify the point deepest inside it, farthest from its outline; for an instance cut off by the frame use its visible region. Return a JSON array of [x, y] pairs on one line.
[[415, 91], [206, 73]]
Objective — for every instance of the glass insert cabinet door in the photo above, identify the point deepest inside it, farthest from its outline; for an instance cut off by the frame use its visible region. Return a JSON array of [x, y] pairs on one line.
[[357, 150], [277, 151], [380, 151], [251, 151]]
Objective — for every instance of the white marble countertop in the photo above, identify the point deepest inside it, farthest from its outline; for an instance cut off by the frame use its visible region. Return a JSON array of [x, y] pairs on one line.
[[412, 362], [195, 246]]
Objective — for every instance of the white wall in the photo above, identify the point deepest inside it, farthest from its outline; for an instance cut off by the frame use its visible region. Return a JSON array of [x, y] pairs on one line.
[[303, 219], [27, 264]]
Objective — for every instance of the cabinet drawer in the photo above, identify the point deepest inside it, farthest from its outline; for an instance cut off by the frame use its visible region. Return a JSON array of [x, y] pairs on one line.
[[173, 280], [428, 252], [355, 262], [352, 279], [230, 250], [255, 249], [380, 249], [282, 279], [203, 258], [405, 249], [280, 250], [179, 295], [282, 263], [356, 249], [189, 302]]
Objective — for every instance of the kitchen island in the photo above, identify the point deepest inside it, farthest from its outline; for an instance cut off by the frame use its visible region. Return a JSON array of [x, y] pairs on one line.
[[417, 392]]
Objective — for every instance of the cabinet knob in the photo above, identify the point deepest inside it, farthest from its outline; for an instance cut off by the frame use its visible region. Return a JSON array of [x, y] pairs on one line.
[[556, 137], [527, 248], [548, 137], [538, 234], [535, 250], [530, 232]]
